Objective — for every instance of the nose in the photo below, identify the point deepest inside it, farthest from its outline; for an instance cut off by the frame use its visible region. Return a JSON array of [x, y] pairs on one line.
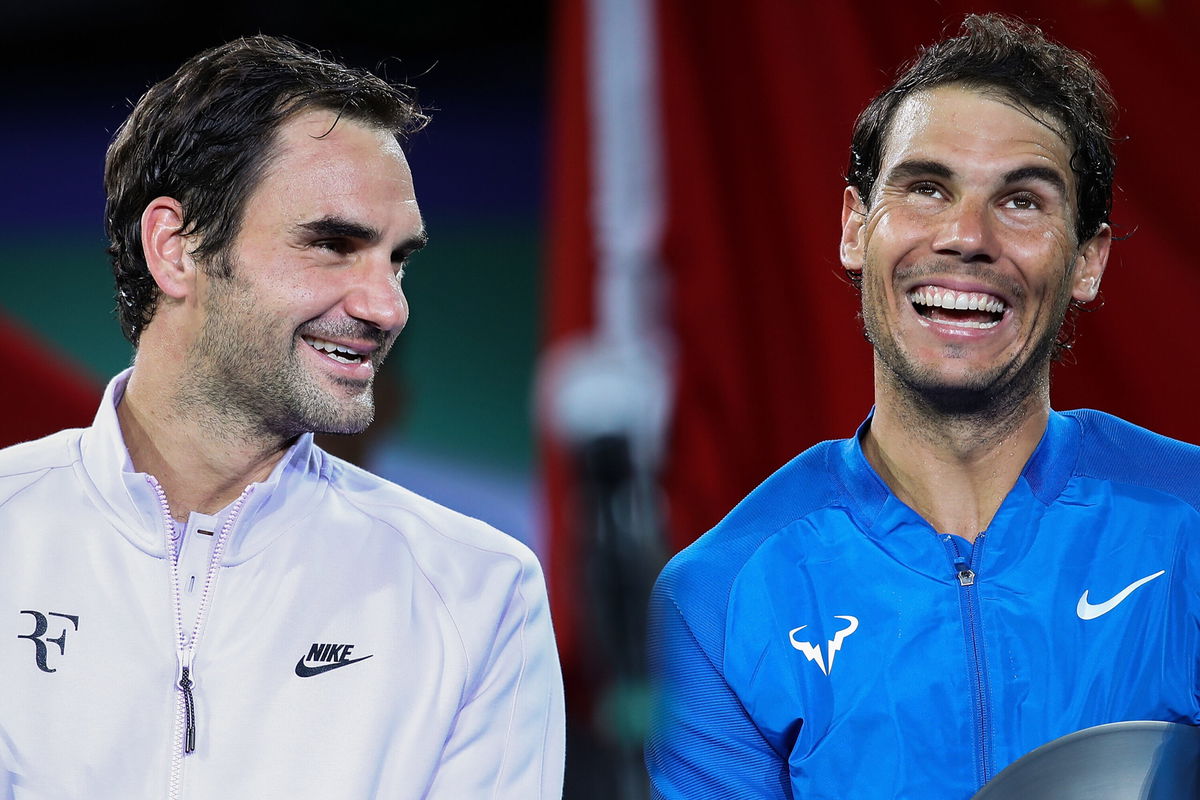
[[967, 232], [375, 295]]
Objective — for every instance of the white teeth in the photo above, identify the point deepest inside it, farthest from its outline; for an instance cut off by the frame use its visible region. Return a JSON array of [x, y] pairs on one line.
[[337, 352], [937, 297], [970, 324]]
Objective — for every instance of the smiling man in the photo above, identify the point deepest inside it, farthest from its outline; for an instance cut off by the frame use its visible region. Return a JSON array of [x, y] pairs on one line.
[[199, 601], [903, 613]]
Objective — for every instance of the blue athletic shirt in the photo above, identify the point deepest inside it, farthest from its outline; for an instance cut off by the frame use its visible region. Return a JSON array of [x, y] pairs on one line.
[[823, 641]]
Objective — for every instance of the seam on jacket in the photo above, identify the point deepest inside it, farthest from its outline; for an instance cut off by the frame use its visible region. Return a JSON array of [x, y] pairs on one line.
[[517, 560], [34, 481], [67, 451], [720, 670], [541, 771], [420, 567], [737, 574], [512, 711], [1150, 487], [524, 566], [414, 512], [1084, 469]]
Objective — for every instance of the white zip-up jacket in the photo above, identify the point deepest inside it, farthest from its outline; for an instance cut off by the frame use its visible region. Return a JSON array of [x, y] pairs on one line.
[[329, 634]]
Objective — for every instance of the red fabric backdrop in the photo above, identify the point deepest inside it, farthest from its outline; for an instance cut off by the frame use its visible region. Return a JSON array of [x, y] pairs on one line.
[[42, 394], [758, 100]]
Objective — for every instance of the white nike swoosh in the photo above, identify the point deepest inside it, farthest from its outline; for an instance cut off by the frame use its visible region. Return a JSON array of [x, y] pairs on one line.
[[1086, 610]]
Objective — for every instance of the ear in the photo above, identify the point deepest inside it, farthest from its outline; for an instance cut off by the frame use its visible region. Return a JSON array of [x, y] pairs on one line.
[[1090, 264], [854, 215], [165, 247]]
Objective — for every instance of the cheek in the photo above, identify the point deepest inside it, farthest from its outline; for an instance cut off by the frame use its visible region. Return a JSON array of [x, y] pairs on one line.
[[1047, 258], [302, 292], [893, 232]]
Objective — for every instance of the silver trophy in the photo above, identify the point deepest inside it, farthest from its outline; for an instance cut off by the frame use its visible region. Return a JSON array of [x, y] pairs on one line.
[[1139, 760]]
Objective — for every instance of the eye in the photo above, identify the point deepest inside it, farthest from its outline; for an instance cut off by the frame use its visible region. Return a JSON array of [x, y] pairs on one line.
[[1023, 202], [339, 246], [400, 265], [927, 189]]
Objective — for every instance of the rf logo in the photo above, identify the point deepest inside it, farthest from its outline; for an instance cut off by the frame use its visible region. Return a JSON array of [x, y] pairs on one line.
[[40, 626]]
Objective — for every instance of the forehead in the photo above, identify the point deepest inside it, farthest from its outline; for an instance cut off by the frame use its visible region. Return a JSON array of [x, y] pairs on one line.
[[324, 166], [977, 129]]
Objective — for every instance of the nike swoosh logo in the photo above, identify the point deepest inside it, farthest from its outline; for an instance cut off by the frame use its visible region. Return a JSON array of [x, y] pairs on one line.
[[1086, 610], [305, 671]]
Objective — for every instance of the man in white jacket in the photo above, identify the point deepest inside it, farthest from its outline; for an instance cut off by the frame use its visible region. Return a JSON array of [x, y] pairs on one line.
[[199, 602]]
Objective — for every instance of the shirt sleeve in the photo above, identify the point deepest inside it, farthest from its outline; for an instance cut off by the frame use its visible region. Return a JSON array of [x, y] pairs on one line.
[[702, 745], [509, 737]]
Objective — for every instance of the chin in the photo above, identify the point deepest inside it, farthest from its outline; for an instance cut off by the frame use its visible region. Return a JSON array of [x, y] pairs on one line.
[[317, 411], [950, 399], [993, 391], [345, 421]]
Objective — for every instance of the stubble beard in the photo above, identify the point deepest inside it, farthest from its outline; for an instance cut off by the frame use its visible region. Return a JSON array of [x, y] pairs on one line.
[[994, 399], [246, 377]]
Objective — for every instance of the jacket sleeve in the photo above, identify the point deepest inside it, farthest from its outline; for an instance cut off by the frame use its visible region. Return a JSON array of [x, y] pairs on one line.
[[509, 737], [702, 745]]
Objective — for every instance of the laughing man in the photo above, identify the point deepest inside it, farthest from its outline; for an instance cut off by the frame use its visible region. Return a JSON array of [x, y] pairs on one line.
[[903, 613]]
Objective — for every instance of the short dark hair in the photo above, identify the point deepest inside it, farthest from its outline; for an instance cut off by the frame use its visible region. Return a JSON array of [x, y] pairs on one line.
[[999, 53], [205, 135]]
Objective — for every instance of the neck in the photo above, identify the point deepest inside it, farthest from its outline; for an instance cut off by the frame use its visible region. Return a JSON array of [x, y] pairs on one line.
[[952, 468], [200, 464]]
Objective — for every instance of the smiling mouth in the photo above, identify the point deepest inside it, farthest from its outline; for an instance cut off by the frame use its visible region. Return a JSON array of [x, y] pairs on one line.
[[961, 309], [337, 352]]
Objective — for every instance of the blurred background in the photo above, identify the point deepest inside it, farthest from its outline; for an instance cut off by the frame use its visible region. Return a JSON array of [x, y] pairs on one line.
[[631, 310]]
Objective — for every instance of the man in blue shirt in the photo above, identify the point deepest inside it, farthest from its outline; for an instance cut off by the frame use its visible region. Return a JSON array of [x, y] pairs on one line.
[[902, 614]]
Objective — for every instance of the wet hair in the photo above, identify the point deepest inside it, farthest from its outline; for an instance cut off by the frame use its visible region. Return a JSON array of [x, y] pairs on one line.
[[205, 135], [999, 54]]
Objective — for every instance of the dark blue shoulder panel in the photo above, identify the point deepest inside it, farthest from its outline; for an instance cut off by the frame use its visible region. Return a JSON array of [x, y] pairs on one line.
[[1116, 450]]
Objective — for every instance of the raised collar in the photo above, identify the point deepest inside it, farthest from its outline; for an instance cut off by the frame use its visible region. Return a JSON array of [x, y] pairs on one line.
[[129, 501], [1044, 476]]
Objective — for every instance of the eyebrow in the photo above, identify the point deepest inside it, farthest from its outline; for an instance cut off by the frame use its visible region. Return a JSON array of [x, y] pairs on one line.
[[342, 228], [918, 168], [1043, 174], [410, 246]]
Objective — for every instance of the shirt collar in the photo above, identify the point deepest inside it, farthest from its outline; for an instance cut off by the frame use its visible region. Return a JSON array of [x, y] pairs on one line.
[[129, 500]]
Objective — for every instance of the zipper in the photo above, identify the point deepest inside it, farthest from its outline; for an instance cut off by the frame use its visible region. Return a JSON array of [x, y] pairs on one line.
[[185, 645], [189, 711], [965, 572]]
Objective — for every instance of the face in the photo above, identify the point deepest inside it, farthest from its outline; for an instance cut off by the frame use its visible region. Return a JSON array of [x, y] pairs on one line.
[[293, 340], [967, 249]]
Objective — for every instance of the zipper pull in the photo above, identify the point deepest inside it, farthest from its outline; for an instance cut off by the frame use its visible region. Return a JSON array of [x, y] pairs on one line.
[[189, 710], [966, 577]]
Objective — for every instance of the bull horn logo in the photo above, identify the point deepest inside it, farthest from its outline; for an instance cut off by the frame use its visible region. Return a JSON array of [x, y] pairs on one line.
[[813, 651]]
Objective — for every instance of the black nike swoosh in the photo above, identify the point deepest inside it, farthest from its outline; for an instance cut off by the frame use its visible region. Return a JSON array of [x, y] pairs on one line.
[[305, 671]]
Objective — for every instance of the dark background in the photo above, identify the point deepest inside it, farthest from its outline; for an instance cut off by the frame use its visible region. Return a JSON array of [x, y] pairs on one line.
[[69, 72]]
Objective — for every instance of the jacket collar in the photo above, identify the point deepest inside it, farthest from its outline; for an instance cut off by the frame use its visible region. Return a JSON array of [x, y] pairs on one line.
[[1044, 476], [130, 502]]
